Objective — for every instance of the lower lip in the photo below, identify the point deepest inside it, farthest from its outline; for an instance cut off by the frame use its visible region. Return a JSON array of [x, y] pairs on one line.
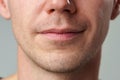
[[60, 37]]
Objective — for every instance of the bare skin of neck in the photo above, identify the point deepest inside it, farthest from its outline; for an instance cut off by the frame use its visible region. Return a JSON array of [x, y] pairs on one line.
[[27, 71]]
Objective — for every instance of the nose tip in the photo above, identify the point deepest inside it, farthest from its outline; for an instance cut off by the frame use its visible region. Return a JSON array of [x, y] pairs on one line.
[[60, 6]]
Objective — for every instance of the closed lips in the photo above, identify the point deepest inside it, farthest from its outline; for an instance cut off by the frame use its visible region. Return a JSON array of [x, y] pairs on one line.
[[61, 34]]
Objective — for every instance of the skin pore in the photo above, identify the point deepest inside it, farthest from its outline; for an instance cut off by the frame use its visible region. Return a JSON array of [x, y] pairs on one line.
[[57, 40]]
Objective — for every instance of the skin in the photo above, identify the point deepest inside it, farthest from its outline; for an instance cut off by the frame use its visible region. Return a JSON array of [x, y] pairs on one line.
[[62, 57]]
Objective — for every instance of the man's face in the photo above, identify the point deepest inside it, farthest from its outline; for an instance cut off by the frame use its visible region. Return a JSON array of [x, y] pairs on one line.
[[57, 36]]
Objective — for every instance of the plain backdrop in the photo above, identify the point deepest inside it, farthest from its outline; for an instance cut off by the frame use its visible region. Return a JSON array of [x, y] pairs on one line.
[[110, 62]]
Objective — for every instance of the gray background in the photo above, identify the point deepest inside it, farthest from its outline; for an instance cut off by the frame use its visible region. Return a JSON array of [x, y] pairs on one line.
[[110, 63]]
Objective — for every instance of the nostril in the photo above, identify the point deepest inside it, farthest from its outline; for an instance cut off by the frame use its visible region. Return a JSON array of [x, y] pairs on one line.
[[66, 10], [51, 10]]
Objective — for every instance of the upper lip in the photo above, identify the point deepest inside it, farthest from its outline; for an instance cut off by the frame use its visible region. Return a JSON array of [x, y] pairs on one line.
[[62, 31]]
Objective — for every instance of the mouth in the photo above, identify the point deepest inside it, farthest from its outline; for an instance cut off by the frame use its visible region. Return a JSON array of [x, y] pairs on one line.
[[61, 34]]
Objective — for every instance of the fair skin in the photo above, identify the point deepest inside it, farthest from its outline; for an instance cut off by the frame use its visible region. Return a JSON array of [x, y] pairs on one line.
[[57, 40]]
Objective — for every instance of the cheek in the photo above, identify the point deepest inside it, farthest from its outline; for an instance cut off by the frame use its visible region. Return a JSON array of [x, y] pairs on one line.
[[99, 17]]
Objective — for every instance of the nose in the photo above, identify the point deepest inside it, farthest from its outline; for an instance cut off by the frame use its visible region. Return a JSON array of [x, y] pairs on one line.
[[60, 6]]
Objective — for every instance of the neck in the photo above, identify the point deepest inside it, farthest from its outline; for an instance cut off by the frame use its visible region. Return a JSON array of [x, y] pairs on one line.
[[28, 71]]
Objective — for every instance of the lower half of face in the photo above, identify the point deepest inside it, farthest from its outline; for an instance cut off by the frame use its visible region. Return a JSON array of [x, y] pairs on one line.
[[62, 52], [62, 43]]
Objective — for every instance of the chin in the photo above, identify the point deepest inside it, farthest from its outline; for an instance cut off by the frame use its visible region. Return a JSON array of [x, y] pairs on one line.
[[63, 63]]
